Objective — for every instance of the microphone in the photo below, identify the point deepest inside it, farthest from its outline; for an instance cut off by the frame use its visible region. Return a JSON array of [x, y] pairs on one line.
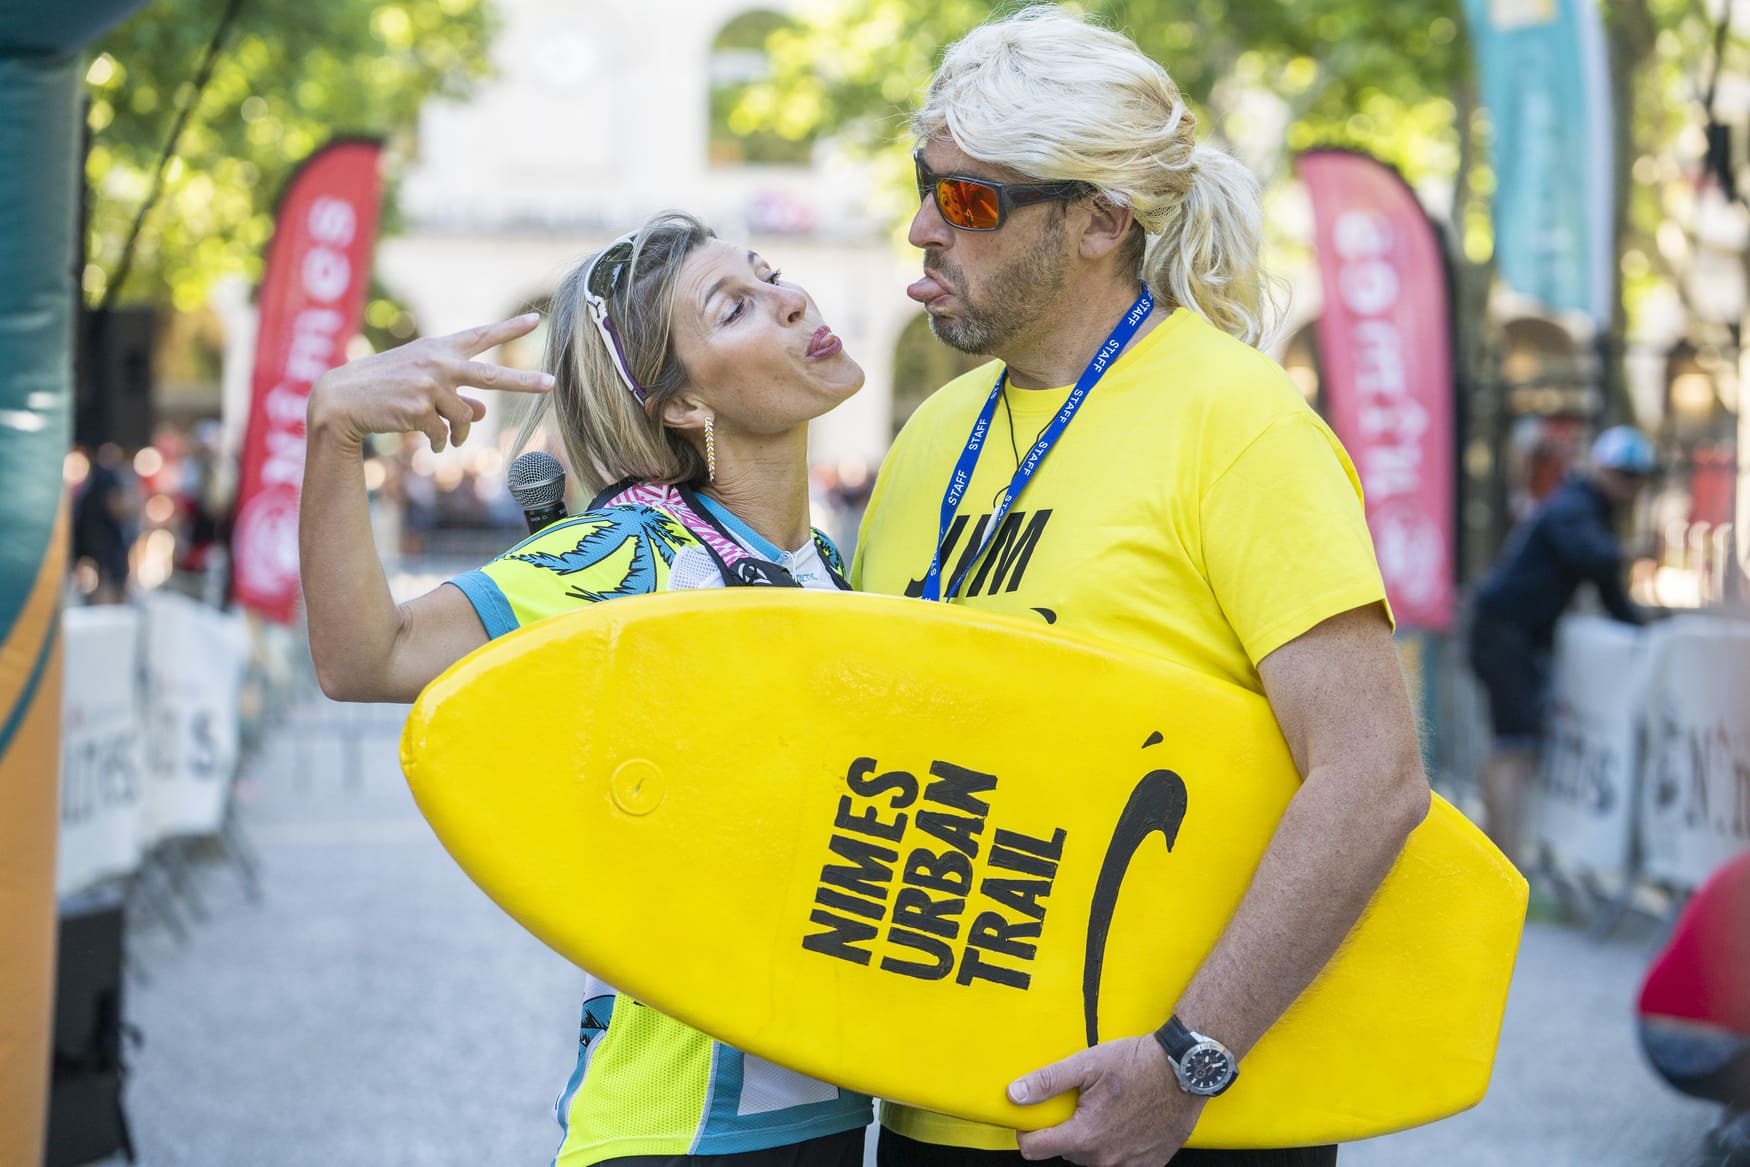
[[537, 482]]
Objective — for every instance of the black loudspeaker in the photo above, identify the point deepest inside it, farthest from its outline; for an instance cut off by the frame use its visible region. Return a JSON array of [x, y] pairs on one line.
[[112, 393], [86, 1120]]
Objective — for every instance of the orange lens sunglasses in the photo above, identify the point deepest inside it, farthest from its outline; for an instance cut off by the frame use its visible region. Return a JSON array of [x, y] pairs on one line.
[[977, 204]]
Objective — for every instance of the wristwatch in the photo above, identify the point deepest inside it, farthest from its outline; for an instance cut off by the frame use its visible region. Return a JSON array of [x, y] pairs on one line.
[[1203, 1065]]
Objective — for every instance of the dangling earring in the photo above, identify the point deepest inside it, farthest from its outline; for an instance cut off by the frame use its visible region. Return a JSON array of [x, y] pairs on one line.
[[710, 452]]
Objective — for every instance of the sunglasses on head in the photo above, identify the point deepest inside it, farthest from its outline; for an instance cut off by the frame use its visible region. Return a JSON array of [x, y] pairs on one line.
[[977, 204], [601, 280]]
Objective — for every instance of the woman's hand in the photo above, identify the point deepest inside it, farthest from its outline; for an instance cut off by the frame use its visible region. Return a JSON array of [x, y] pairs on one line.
[[414, 388], [365, 646]]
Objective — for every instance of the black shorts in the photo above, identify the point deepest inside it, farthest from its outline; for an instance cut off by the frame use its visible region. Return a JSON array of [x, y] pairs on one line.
[[896, 1150], [844, 1149], [1514, 671]]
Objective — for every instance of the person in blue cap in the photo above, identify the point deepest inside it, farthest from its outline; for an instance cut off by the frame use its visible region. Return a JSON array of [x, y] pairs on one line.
[[1570, 539]]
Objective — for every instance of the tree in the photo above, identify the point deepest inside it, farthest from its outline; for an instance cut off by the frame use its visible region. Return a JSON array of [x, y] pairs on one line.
[[738, 59], [1395, 80], [1671, 52], [1376, 77], [287, 76], [1390, 79]]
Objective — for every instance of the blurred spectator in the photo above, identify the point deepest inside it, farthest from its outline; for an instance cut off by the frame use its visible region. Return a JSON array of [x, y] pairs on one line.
[[1541, 453], [448, 506], [838, 493], [201, 504], [1568, 540], [419, 499], [104, 514]]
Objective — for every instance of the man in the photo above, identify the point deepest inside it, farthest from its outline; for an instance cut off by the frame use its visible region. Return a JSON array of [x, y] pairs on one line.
[[1178, 498], [1569, 540]]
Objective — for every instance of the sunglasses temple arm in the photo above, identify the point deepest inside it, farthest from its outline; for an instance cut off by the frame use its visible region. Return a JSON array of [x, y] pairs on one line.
[[620, 364]]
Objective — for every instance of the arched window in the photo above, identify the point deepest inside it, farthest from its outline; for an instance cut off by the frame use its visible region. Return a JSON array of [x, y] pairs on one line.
[[739, 62], [921, 365], [1543, 372]]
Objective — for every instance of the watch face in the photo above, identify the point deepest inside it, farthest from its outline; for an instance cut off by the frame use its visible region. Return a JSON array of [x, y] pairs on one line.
[[1206, 1069]]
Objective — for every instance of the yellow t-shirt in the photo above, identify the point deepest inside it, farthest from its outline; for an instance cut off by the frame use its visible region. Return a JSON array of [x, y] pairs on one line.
[[1196, 508]]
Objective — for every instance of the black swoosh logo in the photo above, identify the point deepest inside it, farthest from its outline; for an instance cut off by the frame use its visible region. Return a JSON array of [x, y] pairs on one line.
[[1157, 804], [1050, 616]]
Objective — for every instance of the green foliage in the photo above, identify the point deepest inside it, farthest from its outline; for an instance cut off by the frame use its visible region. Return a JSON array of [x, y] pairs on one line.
[[291, 75], [1667, 49], [1394, 80], [744, 128], [1376, 77], [1373, 76]]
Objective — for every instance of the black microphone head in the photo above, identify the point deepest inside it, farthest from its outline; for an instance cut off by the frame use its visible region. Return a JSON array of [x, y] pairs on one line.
[[537, 480]]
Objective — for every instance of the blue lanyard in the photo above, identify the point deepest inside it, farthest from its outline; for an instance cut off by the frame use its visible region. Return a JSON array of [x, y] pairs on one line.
[[968, 462]]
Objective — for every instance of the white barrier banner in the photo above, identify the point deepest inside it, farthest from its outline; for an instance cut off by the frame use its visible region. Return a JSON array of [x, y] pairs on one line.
[[1695, 804], [195, 657], [1586, 786], [102, 766]]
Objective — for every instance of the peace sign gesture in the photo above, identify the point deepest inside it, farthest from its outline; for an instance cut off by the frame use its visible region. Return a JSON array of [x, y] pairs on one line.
[[416, 388]]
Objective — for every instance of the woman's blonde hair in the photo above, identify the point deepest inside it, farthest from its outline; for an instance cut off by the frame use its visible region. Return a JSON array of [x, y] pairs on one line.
[[1052, 96], [609, 436]]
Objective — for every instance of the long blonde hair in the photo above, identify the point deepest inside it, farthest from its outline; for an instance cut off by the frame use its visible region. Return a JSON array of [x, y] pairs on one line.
[[1053, 96], [608, 435]]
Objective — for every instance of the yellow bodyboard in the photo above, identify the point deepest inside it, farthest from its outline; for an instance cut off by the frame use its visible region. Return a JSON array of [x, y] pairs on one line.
[[919, 851]]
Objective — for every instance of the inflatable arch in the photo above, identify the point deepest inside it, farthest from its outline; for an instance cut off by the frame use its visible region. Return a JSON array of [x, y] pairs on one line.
[[41, 66]]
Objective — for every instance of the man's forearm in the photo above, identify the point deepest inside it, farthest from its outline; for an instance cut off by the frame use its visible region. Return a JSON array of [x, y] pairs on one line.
[[1337, 840]]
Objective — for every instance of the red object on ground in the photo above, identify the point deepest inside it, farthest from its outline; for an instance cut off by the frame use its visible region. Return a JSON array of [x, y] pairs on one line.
[[1703, 973]]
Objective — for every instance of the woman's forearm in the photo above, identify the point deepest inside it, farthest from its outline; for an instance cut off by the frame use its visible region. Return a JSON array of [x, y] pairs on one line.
[[353, 620]]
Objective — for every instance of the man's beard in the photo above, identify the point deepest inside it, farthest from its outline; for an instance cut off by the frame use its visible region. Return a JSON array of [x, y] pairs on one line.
[[1010, 302]]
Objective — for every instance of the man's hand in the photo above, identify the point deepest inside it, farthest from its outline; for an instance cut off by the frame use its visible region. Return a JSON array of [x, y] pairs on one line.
[[1131, 1112]]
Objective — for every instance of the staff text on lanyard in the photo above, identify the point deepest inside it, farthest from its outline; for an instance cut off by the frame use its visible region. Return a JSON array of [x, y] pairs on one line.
[[962, 476]]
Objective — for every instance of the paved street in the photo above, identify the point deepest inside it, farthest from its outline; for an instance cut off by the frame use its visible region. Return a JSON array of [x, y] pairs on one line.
[[375, 1009]]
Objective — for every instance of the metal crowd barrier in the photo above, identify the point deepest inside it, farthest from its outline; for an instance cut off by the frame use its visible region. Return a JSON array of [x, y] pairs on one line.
[[1644, 780]]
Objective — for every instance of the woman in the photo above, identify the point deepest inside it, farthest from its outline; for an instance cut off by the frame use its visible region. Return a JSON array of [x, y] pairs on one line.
[[683, 373]]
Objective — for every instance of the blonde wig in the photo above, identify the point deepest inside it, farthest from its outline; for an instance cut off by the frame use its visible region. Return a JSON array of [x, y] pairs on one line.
[[1053, 97]]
